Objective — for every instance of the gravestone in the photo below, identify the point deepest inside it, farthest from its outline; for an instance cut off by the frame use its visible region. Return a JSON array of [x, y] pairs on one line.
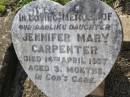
[[67, 51]]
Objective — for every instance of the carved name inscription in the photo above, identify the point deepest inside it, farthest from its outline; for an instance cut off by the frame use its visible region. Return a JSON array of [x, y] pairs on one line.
[[68, 50]]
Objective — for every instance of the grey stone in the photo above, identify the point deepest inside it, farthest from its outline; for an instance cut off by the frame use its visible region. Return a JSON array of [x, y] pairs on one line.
[[67, 51]]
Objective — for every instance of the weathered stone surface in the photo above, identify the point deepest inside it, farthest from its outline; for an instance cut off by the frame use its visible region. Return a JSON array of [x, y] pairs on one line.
[[100, 90], [67, 51], [12, 76], [118, 83], [115, 82], [5, 39], [125, 19], [9, 83], [28, 84], [31, 90]]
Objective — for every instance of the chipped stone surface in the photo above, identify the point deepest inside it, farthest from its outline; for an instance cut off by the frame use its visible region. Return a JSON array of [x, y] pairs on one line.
[[67, 51]]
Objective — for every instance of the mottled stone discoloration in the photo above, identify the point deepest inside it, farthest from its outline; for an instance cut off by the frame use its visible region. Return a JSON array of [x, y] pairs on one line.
[[5, 39], [99, 39], [126, 26]]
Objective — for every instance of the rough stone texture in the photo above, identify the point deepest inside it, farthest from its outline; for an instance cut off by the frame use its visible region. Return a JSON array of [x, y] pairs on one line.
[[12, 76], [5, 39], [126, 26], [74, 80], [31, 90], [100, 90], [117, 81]]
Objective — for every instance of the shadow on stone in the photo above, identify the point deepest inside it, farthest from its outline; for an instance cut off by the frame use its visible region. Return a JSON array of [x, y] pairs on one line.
[[117, 83], [12, 76]]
